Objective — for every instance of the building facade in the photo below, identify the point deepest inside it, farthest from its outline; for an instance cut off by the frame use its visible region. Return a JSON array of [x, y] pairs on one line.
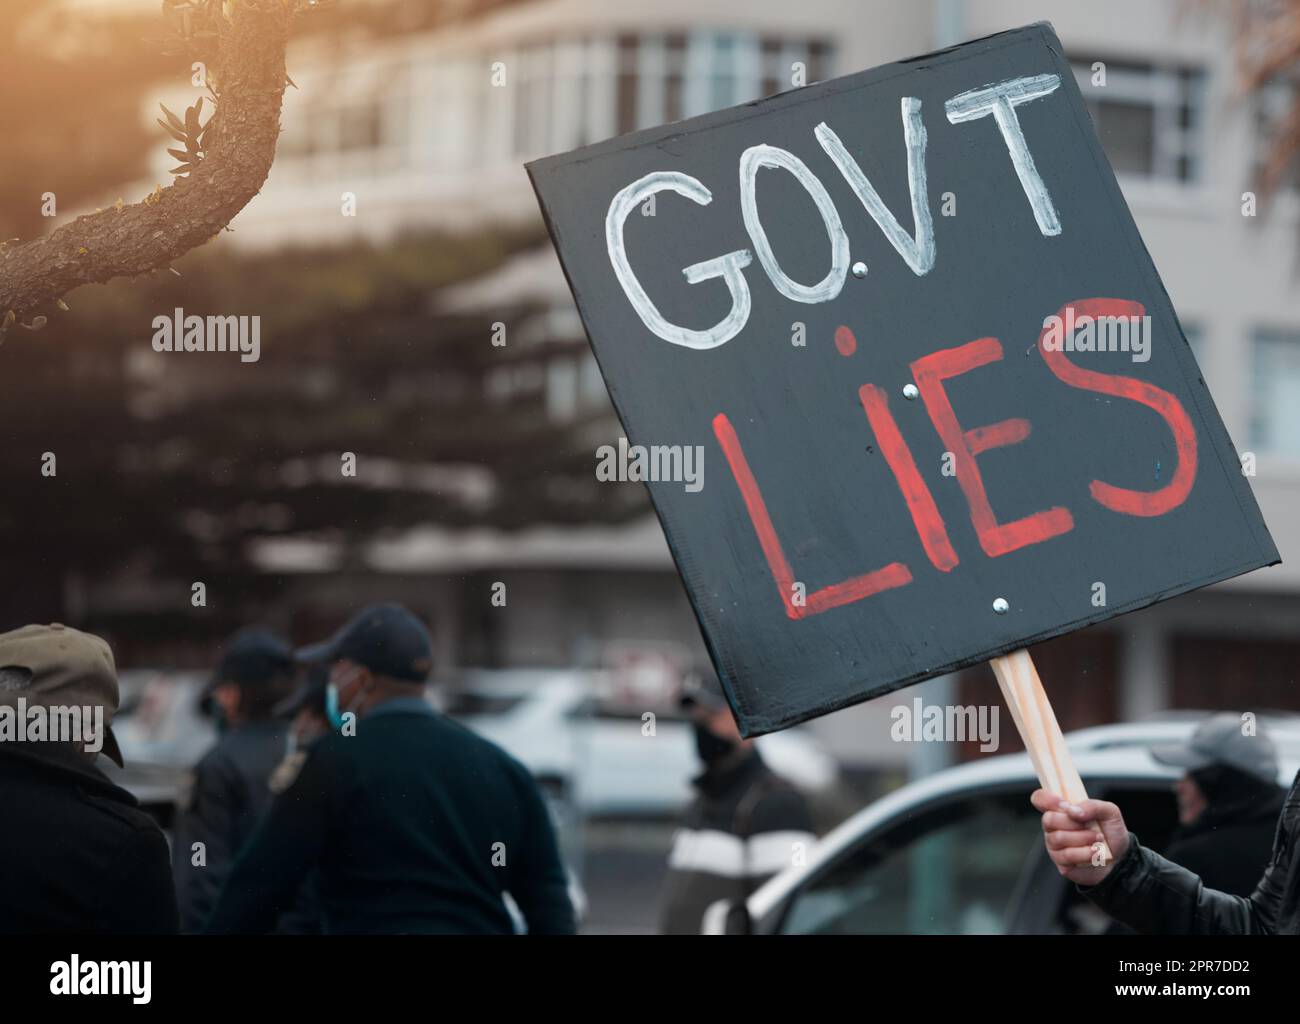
[[432, 128]]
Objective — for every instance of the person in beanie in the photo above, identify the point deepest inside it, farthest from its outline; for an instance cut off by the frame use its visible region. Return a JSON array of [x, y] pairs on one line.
[[1228, 803], [230, 787], [77, 854], [413, 823], [745, 824]]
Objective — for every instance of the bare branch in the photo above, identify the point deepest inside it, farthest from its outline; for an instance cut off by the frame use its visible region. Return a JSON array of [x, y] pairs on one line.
[[145, 236]]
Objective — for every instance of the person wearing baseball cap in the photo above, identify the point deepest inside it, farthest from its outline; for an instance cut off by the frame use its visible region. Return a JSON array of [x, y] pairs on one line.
[[411, 822], [1228, 802], [77, 854], [230, 787]]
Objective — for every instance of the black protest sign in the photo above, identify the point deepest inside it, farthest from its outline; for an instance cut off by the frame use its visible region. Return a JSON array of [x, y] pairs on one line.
[[904, 383]]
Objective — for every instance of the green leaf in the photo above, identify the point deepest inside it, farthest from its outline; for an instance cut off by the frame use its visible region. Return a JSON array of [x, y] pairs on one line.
[[179, 154]]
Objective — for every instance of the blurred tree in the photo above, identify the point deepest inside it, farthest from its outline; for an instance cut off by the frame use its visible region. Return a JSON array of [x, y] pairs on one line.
[[65, 131], [172, 466], [1268, 55]]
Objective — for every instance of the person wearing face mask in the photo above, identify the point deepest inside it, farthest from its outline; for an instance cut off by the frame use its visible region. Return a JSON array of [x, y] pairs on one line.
[[411, 822], [228, 791], [1228, 803], [745, 824]]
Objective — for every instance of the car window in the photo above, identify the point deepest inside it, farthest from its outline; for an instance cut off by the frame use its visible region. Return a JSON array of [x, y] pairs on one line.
[[950, 868]]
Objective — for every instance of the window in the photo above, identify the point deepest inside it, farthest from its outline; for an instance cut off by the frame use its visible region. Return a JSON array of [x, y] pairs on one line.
[[1275, 410], [1148, 117], [350, 121], [952, 868], [675, 75], [627, 84], [1274, 105]]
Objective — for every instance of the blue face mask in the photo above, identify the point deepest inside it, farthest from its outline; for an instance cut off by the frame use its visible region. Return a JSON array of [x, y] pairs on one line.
[[332, 711]]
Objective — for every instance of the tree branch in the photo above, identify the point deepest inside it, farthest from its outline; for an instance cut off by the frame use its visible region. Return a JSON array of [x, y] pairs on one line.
[[239, 144]]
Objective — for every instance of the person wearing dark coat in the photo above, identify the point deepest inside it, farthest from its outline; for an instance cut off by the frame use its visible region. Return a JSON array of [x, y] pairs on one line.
[[230, 787], [77, 854], [1228, 803], [1152, 894], [745, 824], [410, 822]]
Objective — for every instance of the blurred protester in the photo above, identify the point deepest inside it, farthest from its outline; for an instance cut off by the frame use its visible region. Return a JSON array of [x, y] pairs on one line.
[[745, 824], [415, 823], [1228, 803], [309, 723], [230, 789], [77, 854]]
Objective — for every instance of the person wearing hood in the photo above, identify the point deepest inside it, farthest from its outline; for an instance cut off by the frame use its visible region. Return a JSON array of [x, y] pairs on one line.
[[745, 824], [1228, 803]]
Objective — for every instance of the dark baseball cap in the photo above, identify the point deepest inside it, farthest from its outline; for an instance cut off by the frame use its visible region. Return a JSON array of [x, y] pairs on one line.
[[385, 638], [1222, 740], [253, 657]]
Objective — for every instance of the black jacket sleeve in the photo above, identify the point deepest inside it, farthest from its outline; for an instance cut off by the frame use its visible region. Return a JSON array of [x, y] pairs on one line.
[[208, 819], [1157, 897], [266, 875], [538, 881]]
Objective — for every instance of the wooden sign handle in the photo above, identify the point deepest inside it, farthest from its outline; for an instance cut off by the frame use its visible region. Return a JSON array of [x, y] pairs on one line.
[[1032, 711]]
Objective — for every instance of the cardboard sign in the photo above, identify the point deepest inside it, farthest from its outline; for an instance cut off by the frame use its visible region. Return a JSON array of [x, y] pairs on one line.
[[904, 383]]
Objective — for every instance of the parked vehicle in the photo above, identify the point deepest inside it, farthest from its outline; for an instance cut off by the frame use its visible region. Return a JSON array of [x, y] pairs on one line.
[[162, 733], [600, 753], [961, 851]]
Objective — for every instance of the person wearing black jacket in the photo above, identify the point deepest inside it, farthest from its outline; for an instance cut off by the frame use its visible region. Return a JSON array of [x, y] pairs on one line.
[[230, 787], [77, 854], [745, 824], [1154, 895], [1228, 803], [414, 823]]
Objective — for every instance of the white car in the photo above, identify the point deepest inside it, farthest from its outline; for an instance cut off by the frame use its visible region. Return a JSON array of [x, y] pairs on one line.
[[607, 762], [961, 851]]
